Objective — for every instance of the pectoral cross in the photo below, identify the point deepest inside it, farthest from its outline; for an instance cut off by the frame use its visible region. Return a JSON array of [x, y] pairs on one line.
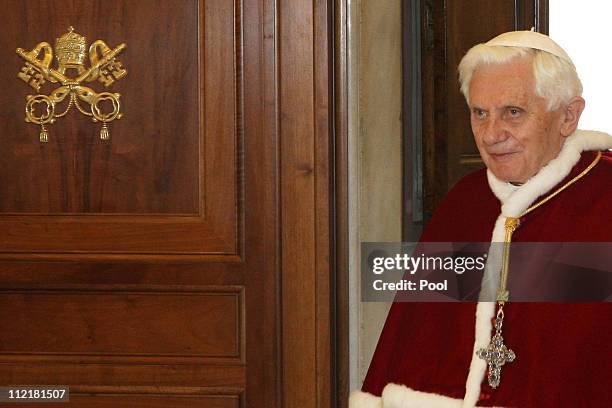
[[496, 354]]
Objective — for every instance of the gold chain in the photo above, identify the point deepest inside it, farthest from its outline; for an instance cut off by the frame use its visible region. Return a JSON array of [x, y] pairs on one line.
[[496, 353], [512, 224]]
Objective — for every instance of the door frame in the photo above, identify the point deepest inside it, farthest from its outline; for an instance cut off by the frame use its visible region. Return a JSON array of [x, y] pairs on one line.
[[314, 171]]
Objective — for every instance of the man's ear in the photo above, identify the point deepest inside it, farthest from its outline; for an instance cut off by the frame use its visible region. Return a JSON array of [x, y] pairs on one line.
[[571, 114]]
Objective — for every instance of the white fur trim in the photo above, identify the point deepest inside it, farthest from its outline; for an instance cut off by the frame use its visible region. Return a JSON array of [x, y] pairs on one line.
[[400, 396], [359, 399], [514, 202]]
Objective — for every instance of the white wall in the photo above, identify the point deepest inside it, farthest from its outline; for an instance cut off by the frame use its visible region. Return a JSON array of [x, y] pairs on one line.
[[583, 29], [375, 133]]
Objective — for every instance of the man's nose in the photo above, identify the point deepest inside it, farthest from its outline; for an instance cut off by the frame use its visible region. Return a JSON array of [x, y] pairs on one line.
[[495, 131]]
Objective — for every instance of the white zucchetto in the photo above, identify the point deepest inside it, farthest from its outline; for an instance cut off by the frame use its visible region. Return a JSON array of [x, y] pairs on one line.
[[530, 39]]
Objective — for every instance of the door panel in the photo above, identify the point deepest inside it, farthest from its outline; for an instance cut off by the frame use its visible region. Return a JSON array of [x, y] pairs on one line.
[[76, 323], [167, 181], [152, 163], [146, 270], [124, 260]]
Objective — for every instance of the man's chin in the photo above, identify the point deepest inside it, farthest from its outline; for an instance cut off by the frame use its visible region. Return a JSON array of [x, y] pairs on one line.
[[506, 174], [505, 168]]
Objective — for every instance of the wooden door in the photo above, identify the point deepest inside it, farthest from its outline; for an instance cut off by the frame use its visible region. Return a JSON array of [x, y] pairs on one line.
[[451, 28], [184, 262]]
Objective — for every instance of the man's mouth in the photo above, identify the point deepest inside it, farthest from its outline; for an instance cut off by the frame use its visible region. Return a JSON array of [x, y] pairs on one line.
[[502, 156]]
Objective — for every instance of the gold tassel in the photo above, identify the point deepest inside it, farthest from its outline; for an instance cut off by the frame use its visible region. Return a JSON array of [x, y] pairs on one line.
[[104, 133], [44, 135]]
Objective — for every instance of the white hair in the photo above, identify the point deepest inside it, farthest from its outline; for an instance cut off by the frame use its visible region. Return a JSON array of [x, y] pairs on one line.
[[556, 80]]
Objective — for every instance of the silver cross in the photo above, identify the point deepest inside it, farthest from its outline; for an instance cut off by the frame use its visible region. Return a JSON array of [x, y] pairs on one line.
[[496, 354]]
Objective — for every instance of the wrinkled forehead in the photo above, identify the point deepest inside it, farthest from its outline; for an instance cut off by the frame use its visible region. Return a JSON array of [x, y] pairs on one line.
[[510, 81]]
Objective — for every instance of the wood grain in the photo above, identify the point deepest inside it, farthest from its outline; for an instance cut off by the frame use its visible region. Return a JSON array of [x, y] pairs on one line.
[[305, 194], [167, 181], [115, 324], [150, 165], [186, 262], [340, 287], [298, 189]]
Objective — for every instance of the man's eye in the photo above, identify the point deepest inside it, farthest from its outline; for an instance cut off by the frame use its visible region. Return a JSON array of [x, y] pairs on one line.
[[514, 112], [479, 113]]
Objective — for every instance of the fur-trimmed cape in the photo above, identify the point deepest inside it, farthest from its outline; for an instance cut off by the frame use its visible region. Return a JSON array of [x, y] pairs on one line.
[[563, 349]]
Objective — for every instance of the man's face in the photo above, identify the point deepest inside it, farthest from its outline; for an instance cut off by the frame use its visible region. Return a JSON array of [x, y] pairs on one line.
[[515, 134]]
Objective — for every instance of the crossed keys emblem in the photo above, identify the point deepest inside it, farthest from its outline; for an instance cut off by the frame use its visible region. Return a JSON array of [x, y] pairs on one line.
[[70, 51]]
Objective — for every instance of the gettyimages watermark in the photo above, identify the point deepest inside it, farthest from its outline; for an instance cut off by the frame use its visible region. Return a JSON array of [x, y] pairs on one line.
[[469, 271]]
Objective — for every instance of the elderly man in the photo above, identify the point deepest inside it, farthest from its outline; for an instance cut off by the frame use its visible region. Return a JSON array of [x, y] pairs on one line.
[[545, 181]]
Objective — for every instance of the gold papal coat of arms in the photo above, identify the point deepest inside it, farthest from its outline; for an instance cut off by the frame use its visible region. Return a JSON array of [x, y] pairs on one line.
[[71, 51]]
